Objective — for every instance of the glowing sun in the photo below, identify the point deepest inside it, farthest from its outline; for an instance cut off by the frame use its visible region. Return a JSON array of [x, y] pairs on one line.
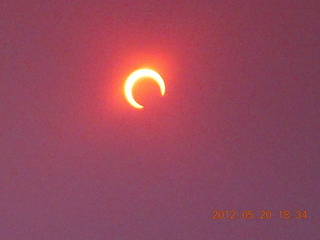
[[137, 75]]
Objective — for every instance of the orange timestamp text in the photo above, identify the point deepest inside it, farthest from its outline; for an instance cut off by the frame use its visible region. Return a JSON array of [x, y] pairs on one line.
[[283, 214]]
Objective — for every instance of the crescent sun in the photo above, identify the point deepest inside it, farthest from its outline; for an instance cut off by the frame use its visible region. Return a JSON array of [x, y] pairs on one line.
[[137, 75]]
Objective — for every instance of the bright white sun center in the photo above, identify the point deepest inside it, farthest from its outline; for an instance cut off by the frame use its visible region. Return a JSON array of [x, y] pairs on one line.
[[137, 75]]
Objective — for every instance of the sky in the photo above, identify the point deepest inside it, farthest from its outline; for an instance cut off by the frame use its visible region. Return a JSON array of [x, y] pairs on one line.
[[237, 130]]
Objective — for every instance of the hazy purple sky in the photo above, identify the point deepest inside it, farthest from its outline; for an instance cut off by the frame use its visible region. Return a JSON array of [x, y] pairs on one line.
[[238, 128]]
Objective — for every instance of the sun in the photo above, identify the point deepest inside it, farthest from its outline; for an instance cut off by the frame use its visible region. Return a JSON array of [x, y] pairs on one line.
[[136, 76]]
